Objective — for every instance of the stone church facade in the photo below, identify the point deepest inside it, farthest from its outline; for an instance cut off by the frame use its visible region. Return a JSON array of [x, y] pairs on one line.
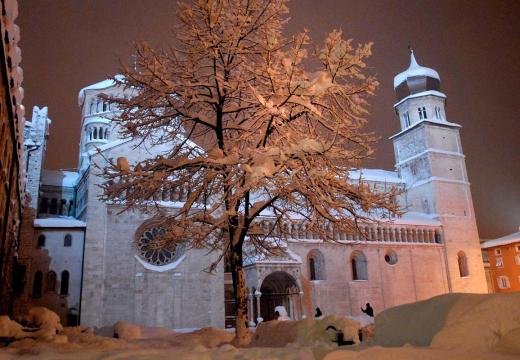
[[433, 249]]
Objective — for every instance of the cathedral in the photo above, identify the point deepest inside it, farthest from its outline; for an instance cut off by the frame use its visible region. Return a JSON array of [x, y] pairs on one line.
[[89, 260]]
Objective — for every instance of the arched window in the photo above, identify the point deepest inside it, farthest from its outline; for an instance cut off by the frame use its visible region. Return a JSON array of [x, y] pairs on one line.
[[50, 281], [106, 134], [67, 240], [64, 287], [359, 266], [41, 241], [463, 264], [91, 107], [316, 262], [104, 106], [37, 284], [97, 106], [95, 134]]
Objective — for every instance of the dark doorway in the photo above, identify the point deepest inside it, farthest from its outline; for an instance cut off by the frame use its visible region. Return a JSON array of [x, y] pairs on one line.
[[278, 288]]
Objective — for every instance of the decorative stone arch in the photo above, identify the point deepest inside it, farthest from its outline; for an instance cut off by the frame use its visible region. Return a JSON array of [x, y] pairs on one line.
[[316, 265], [279, 288], [359, 266], [462, 260]]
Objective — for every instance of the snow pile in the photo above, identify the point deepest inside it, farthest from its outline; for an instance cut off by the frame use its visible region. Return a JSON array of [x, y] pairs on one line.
[[282, 313], [462, 322], [304, 332], [10, 328], [207, 337], [127, 331], [43, 318]]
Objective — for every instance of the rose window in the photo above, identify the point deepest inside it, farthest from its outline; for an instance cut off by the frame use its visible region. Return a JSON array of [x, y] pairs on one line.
[[155, 248]]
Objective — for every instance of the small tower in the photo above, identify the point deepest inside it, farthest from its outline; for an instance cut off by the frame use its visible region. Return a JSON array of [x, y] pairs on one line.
[[429, 158], [36, 133], [96, 127]]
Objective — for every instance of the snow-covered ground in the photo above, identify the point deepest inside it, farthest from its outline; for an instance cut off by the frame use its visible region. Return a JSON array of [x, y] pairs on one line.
[[455, 326]]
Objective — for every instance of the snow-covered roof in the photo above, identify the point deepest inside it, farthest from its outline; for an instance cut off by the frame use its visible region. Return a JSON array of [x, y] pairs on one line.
[[105, 84], [508, 239], [378, 175], [59, 178], [414, 218], [414, 70], [432, 121], [61, 222], [420, 94]]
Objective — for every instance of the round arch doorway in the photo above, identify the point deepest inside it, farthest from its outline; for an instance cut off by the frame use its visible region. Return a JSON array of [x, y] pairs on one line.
[[278, 289]]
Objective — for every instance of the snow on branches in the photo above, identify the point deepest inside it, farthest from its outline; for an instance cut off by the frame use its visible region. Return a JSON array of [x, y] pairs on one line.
[[277, 121]]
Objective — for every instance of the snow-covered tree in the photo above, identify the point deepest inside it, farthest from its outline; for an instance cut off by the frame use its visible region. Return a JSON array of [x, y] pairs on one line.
[[278, 123]]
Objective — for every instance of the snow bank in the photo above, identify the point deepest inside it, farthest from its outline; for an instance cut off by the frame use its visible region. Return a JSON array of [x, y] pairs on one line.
[[43, 318], [462, 322], [9, 328], [127, 331], [206, 337], [304, 332]]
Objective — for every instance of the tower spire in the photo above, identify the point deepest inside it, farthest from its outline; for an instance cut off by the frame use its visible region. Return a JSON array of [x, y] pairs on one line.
[[413, 62]]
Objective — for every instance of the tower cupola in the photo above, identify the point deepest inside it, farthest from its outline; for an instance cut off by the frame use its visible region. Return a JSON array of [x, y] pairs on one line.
[[415, 79], [418, 95]]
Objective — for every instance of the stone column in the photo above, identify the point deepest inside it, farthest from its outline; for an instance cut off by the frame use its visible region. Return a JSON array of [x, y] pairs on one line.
[[259, 319], [250, 311], [302, 310]]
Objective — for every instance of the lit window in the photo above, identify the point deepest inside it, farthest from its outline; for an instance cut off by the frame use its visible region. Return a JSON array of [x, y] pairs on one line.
[[503, 282], [499, 262]]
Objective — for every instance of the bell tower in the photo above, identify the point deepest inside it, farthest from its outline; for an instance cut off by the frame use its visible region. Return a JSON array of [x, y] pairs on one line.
[[429, 158]]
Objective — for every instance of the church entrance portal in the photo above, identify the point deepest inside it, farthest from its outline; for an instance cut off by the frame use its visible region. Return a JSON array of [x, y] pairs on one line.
[[279, 288]]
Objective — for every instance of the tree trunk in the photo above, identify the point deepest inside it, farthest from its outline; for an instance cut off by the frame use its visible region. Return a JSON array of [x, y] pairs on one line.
[[242, 336]]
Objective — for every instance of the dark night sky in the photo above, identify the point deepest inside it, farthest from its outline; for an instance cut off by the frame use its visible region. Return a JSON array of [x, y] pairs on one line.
[[473, 44]]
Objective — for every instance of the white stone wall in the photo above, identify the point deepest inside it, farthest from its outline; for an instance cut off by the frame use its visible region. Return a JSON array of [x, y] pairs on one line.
[[117, 286], [418, 274]]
